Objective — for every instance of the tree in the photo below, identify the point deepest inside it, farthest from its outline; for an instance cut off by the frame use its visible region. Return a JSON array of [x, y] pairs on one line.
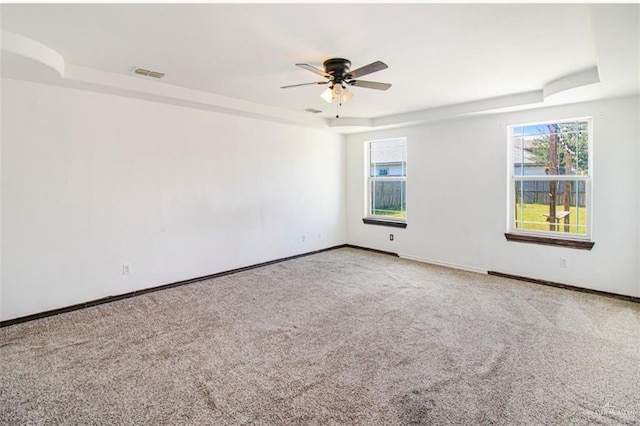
[[563, 148], [572, 141]]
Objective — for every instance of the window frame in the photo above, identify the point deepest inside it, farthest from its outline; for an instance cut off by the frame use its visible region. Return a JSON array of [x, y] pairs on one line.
[[370, 218], [545, 236]]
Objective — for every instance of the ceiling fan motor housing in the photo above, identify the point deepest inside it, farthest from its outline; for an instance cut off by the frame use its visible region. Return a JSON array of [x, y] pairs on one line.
[[338, 67]]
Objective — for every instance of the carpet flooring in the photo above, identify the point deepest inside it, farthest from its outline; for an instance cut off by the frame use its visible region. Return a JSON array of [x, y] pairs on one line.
[[343, 337]]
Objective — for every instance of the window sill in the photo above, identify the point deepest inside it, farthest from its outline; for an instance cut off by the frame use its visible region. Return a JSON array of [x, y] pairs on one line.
[[558, 242], [382, 222]]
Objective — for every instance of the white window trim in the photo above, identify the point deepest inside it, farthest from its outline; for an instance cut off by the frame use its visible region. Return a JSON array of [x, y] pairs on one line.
[[370, 179], [588, 179]]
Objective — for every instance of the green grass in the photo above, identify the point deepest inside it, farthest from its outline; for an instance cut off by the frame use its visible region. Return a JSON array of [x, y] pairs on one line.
[[534, 214], [390, 212]]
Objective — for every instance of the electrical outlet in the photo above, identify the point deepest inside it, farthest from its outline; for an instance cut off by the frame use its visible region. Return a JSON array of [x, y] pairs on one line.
[[304, 237], [390, 237], [564, 262], [126, 269], [319, 236]]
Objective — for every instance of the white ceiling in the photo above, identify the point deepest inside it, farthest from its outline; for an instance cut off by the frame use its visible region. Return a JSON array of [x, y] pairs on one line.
[[444, 59]]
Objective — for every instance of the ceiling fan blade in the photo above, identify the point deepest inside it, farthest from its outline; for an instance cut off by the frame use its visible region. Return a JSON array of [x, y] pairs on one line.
[[368, 69], [304, 84], [315, 70], [370, 84]]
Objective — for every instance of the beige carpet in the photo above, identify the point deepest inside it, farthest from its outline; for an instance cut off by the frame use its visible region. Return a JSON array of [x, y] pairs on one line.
[[340, 337]]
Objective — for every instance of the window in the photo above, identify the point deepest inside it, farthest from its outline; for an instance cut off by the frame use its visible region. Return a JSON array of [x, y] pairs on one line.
[[387, 180], [549, 194]]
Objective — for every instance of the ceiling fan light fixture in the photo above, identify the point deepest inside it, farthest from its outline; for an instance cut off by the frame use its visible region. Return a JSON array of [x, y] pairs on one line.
[[327, 95], [346, 95], [337, 92]]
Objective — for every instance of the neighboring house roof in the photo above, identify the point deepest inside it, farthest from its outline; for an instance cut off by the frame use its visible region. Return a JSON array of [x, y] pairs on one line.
[[523, 155]]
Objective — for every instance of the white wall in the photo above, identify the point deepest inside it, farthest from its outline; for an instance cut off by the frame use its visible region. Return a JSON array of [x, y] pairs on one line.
[[91, 181], [460, 218]]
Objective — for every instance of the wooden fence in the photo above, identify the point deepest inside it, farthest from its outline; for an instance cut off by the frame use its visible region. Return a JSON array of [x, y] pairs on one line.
[[389, 195], [537, 192]]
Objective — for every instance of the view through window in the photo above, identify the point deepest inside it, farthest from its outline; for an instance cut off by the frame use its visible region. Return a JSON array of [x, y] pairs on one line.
[[387, 179], [551, 178]]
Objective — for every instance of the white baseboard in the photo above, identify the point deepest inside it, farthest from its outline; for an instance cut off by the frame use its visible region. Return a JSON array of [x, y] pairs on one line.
[[445, 264]]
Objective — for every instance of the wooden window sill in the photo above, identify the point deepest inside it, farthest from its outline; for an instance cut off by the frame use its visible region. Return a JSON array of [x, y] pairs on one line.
[[548, 241], [381, 222]]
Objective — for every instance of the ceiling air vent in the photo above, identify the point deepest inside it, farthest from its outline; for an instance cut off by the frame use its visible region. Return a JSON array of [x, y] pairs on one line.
[[313, 110], [148, 73]]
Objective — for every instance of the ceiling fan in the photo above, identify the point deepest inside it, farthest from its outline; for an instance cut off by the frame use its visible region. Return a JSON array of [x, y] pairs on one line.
[[339, 76]]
